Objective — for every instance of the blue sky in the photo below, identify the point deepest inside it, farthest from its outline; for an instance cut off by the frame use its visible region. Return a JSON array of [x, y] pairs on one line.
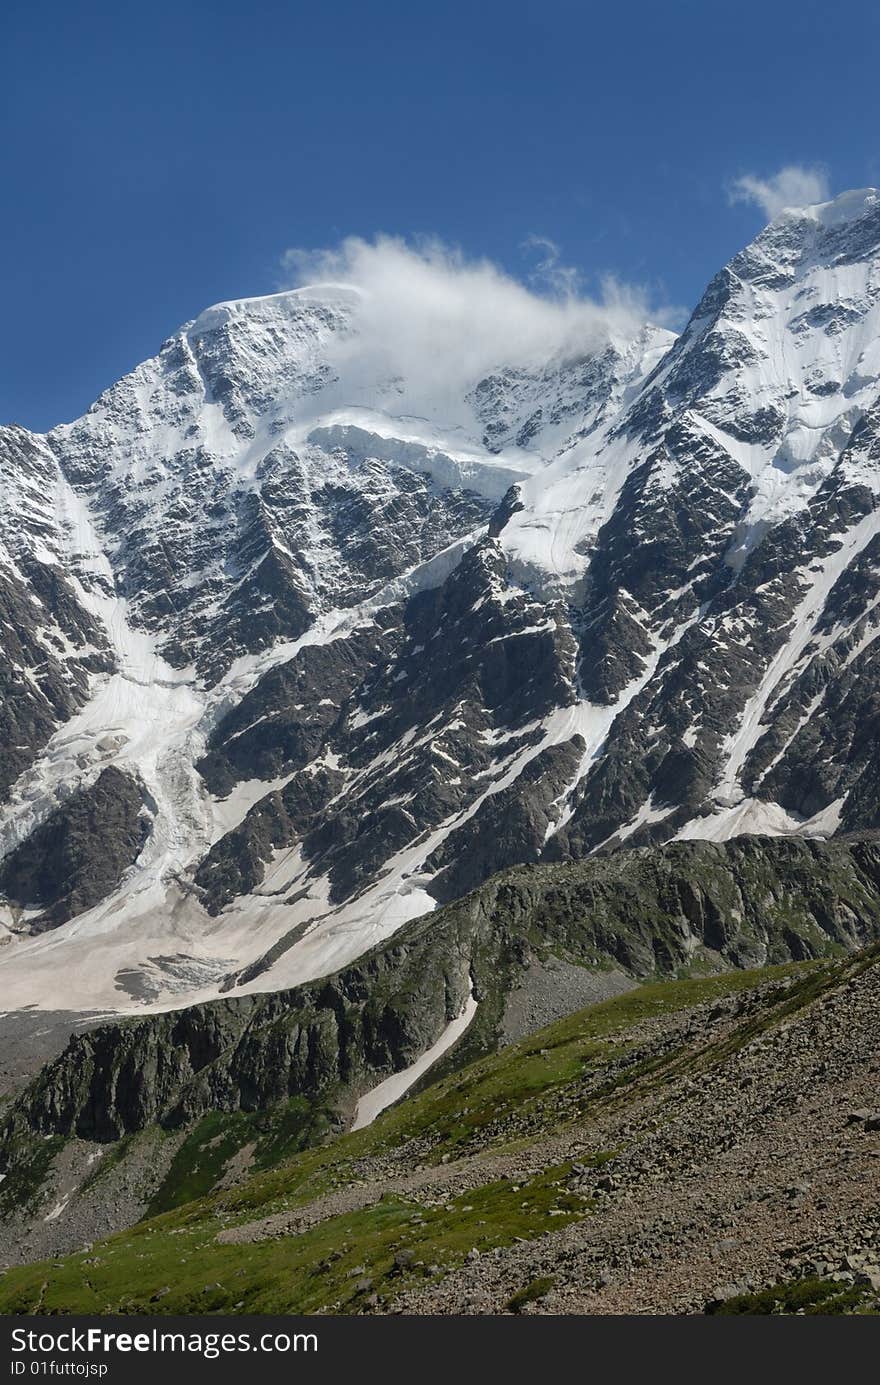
[[157, 158]]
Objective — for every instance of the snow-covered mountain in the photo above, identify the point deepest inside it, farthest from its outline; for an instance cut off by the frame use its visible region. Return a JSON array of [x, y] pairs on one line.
[[295, 648]]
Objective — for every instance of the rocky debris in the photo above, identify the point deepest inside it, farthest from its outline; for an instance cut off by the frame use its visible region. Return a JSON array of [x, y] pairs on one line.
[[868, 1120], [31, 1038], [550, 988], [731, 1175], [705, 1155], [851, 1255], [714, 1157], [90, 1193]]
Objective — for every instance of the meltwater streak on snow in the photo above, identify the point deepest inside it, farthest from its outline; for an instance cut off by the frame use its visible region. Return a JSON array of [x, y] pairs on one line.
[[394, 1087]]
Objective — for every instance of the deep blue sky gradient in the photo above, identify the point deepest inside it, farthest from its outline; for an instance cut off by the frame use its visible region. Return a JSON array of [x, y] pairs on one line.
[[161, 156]]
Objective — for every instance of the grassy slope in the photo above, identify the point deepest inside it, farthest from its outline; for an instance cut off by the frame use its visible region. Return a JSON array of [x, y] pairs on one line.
[[802, 1297], [173, 1264]]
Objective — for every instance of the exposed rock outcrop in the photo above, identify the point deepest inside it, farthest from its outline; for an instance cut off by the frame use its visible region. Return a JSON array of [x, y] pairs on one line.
[[648, 912], [79, 854]]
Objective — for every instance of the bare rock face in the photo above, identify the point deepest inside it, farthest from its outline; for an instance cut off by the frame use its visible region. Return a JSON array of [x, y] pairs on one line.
[[51, 643], [79, 854]]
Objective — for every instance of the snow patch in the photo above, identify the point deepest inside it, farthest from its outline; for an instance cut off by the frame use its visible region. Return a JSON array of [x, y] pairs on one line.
[[753, 815], [394, 1087]]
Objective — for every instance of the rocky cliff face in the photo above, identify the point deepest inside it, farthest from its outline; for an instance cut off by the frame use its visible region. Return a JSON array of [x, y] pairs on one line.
[[79, 854], [650, 912], [361, 644], [51, 643]]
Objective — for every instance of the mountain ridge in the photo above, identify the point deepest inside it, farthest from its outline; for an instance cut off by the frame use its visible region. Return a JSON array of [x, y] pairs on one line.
[[358, 658]]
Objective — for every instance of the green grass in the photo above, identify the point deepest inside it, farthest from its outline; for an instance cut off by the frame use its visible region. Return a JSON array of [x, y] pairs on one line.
[[268, 1137], [812, 980], [536, 1083], [459, 1111], [27, 1171], [318, 1270], [116, 1155], [797, 1296], [530, 1293]]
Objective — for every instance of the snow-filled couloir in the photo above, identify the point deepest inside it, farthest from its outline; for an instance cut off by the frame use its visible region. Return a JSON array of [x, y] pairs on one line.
[[297, 646]]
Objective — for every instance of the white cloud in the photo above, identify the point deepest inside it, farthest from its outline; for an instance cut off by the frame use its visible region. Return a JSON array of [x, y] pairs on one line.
[[427, 313], [792, 186], [550, 273]]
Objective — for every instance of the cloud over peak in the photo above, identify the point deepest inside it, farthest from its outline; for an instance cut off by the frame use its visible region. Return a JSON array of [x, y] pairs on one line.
[[426, 311], [793, 186]]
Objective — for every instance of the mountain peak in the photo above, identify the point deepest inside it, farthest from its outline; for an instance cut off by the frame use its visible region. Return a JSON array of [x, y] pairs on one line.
[[243, 581], [273, 305], [846, 207]]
